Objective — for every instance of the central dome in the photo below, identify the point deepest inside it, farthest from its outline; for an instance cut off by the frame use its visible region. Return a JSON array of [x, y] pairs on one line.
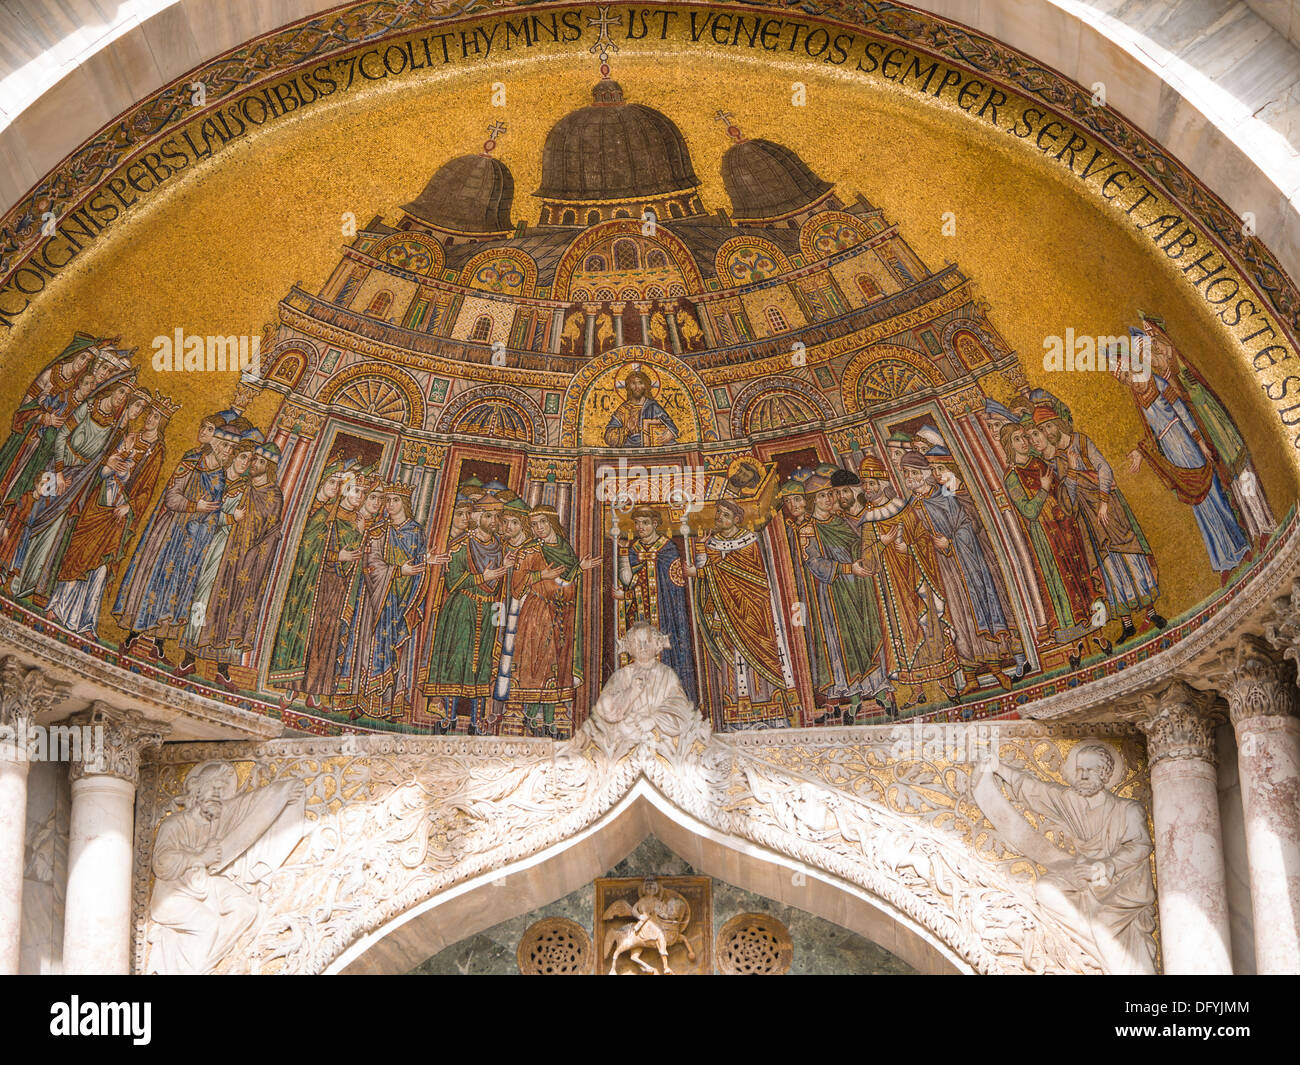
[[614, 150]]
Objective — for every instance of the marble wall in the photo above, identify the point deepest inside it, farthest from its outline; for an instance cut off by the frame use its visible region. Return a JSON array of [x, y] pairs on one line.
[[45, 868], [1241, 922], [820, 947]]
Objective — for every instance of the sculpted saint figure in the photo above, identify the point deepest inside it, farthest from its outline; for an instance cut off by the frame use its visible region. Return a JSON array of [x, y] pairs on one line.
[[641, 698], [1103, 892], [207, 859]]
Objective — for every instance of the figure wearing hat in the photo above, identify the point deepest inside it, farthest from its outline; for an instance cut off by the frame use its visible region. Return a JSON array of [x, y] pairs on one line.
[[290, 648], [844, 619], [76, 470], [639, 420], [106, 524], [652, 588], [750, 678], [390, 611], [466, 646], [234, 597], [976, 603], [516, 535], [157, 592], [898, 560], [1117, 551]]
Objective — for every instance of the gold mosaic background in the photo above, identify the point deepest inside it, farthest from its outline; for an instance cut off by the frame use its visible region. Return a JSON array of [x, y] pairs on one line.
[[217, 248]]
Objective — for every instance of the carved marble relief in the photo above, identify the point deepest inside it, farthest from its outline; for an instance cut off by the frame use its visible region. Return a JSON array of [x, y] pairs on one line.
[[659, 925], [391, 823]]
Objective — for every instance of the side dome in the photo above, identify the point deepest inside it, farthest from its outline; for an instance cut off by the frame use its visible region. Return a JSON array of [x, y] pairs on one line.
[[766, 180], [612, 150], [468, 194]]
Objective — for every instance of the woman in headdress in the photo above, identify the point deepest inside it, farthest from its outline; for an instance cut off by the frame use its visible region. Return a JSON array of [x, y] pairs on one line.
[[75, 473], [45, 407], [109, 520]]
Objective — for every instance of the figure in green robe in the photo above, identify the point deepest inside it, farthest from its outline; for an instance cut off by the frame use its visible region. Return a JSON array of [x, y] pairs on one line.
[[288, 656]]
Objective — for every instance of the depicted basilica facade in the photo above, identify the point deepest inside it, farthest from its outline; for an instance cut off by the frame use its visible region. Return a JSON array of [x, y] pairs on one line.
[[656, 500]]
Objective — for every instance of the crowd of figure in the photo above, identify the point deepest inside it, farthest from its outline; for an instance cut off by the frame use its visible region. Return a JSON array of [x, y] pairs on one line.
[[895, 592]]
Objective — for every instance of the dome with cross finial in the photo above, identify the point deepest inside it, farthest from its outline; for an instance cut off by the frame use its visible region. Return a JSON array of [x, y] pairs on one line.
[[766, 180], [468, 194], [614, 150]]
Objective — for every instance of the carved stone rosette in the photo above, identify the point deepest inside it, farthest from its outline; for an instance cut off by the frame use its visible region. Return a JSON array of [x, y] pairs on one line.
[[125, 736], [1256, 684], [1181, 725], [25, 692]]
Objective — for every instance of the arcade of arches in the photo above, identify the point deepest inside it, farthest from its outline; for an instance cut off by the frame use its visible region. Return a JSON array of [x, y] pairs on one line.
[[839, 461]]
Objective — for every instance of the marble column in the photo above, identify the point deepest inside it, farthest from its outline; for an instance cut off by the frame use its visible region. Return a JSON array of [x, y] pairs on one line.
[[1188, 838], [1261, 696], [24, 693], [97, 920]]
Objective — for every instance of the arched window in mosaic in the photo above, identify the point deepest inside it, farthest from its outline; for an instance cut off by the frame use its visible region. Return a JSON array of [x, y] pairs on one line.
[[495, 418], [868, 287], [482, 328], [656, 260], [594, 264], [374, 395], [625, 255], [776, 320], [380, 304]]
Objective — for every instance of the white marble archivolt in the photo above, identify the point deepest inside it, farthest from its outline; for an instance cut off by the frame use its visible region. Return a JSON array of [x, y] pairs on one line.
[[393, 823], [212, 862], [1098, 869]]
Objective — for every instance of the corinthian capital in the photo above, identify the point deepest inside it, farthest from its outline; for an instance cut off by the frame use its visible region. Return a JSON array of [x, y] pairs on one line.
[[113, 742], [25, 691], [1256, 683], [1180, 724], [1282, 629]]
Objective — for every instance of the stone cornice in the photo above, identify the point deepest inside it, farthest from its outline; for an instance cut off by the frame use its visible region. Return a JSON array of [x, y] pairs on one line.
[[1195, 657], [74, 667]]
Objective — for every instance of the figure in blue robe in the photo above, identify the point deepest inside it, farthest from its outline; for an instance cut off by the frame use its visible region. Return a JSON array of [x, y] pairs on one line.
[[639, 420], [655, 583], [1174, 437]]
